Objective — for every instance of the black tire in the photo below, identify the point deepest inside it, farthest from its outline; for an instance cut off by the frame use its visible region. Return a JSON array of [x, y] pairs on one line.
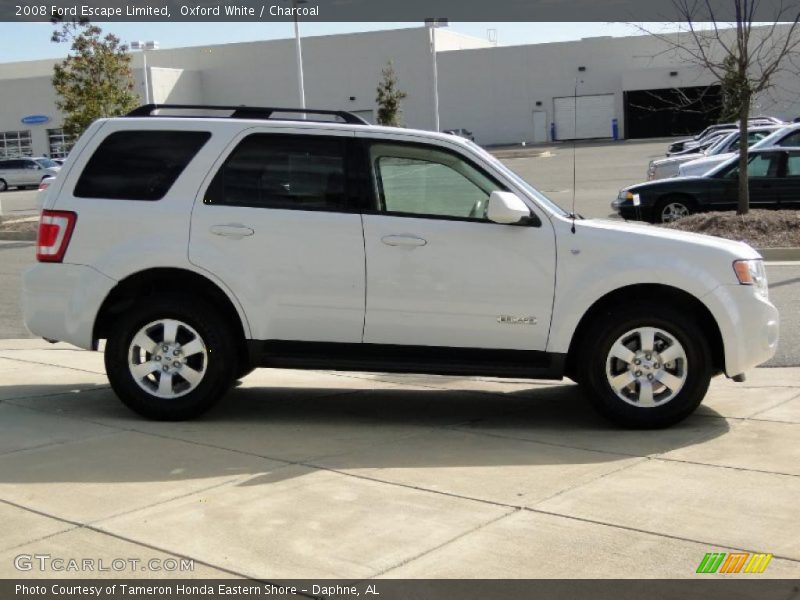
[[220, 364], [243, 371], [687, 203], [607, 328], [3, 185]]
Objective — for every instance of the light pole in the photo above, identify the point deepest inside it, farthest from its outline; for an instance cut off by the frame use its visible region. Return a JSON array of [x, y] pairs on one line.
[[432, 25], [299, 53], [143, 47]]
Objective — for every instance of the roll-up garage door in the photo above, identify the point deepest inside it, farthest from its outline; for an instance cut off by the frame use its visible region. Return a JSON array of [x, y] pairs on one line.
[[593, 118]]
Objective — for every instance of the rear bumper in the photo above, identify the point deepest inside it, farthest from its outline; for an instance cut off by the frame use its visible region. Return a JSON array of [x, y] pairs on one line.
[[749, 326], [61, 301]]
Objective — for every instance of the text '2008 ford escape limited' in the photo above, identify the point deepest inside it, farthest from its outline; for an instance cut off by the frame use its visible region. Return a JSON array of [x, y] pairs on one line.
[[201, 247]]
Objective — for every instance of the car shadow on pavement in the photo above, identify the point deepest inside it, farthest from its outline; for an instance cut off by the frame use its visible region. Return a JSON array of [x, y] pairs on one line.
[[346, 428]]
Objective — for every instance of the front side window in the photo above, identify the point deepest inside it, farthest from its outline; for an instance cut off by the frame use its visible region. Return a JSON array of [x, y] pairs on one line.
[[418, 180], [138, 165], [758, 165], [300, 172], [793, 139]]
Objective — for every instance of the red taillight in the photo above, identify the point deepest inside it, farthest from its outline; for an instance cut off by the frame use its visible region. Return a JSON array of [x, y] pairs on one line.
[[55, 231], [44, 185]]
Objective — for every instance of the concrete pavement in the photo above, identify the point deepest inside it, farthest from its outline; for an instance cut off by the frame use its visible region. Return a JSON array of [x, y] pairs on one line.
[[317, 474]]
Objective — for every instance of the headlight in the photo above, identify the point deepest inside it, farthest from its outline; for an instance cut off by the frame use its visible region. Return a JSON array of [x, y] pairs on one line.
[[752, 272], [625, 195]]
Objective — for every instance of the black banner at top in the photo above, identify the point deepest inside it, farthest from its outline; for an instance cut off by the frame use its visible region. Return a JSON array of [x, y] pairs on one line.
[[393, 10]]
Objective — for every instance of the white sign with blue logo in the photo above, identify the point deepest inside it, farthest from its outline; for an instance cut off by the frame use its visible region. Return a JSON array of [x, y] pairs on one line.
[[35, 119]]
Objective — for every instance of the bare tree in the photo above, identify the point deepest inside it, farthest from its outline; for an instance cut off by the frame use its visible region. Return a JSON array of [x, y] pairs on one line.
[[744, 54]]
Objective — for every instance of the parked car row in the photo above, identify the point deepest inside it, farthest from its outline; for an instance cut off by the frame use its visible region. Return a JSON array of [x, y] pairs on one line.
[[691, 142], [723, 144], [774, 176], [690, 182], [26, 172], [787, 136]]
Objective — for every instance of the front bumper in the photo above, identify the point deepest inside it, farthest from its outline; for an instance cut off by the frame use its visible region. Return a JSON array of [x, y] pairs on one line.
[[629, 212], [749, 325], [61, 301]]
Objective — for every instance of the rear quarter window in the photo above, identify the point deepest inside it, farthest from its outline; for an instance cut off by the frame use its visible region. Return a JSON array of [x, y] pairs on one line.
[[138, 165]]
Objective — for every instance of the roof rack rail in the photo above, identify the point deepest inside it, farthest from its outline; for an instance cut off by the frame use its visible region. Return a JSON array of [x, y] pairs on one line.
[[246, 112]]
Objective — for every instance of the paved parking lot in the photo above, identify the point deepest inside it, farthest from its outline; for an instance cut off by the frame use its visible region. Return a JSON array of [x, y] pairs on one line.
[[316, 474], [601, 170], [347, 475]]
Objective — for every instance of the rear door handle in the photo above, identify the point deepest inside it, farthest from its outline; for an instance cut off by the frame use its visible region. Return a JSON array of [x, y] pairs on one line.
[[232, 230], [403, 240]]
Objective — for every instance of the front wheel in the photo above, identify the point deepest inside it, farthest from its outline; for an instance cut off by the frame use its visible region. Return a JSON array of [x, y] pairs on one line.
[[170, 359], [645, 368], [3, 185], [673, 209]]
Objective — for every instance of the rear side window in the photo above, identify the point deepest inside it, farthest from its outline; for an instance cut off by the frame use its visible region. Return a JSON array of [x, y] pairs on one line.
[[138, 165], [301, 172]]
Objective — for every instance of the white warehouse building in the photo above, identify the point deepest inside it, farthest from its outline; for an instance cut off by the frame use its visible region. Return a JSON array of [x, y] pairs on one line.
[[504, 95]]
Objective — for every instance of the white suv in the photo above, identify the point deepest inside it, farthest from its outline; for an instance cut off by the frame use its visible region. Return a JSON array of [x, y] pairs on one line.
[[202, 247]]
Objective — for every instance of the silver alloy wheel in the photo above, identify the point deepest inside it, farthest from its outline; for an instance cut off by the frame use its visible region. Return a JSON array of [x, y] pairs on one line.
[[674, 211], [167, 358], [646, 367]]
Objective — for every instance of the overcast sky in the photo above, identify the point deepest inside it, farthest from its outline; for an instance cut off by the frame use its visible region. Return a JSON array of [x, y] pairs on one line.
[[31, 41]]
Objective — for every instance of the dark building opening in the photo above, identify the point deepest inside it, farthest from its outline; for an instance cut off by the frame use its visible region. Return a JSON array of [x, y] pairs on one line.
[[667, 112]]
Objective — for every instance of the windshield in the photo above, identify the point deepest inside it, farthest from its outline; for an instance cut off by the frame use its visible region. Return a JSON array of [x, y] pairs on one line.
[[524, 184], [720, 146], [46, 163], [773, 138]]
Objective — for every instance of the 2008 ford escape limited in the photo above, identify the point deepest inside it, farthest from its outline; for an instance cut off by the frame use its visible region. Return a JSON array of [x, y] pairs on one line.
[[202, 247]]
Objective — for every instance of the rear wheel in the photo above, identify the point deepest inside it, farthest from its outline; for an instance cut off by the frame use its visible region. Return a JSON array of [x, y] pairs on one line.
[[672, 209], [645, 367], [171, 359], [3, 185]]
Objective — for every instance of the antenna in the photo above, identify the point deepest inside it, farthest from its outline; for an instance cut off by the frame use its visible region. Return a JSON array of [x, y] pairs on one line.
[[574, 152]]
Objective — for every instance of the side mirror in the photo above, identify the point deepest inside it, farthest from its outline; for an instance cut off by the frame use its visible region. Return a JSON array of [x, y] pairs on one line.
[[507, 208]]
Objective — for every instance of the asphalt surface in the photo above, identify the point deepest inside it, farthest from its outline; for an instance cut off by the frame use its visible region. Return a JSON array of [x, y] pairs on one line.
[[784, 280]]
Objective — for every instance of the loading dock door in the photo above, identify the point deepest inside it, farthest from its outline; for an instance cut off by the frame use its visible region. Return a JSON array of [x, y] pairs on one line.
[[593, 118]]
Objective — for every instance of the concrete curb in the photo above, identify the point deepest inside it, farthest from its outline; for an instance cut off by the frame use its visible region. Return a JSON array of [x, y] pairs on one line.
[[18, 235], [780, 254]]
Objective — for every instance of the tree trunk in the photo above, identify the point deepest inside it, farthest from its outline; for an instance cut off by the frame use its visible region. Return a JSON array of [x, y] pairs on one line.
[[744, 190]]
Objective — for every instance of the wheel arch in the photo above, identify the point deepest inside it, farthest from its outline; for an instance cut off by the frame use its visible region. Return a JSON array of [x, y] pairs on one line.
[[687, 197], [644, 293], [170, 280]]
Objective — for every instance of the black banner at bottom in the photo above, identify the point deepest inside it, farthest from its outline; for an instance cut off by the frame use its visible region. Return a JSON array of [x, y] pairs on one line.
[[394, 589]]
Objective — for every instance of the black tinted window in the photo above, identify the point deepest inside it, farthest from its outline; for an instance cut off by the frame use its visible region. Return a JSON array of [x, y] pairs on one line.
[[138, 165], [283, 171]]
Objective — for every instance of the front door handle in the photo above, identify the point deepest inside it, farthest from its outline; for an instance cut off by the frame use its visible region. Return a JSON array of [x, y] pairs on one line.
[[403, 240], [232, 230]]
